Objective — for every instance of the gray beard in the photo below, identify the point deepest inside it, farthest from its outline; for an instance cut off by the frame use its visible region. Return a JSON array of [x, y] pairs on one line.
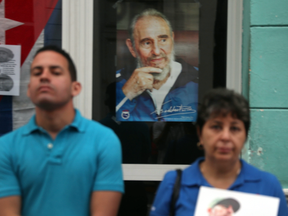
[[165, 71]]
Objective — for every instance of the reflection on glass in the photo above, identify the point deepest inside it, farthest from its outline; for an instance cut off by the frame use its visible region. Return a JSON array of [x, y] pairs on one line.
[[176, 143], [134, 136]]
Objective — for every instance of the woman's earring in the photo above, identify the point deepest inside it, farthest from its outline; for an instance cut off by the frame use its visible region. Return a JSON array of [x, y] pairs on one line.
[[200, 145]]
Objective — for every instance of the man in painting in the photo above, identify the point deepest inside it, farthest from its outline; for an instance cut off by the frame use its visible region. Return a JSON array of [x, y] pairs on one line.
[[159, 89]]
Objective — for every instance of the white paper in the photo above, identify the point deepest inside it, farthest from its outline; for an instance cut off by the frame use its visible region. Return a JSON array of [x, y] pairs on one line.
[[250, 204], [10, 69]]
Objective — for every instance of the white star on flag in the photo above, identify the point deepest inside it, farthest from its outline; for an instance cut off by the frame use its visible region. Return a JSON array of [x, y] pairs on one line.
[[5, 24]]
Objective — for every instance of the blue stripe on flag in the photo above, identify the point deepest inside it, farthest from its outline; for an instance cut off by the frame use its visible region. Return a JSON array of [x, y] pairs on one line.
[[53, 28], [5, 114]]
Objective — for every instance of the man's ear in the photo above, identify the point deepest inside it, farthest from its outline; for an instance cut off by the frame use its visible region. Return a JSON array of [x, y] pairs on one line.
[[131, 48], [76, 88]]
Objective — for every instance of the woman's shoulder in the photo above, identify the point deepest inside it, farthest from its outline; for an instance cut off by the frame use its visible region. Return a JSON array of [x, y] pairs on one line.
[[190, 175], [253, 173], [170, 177]]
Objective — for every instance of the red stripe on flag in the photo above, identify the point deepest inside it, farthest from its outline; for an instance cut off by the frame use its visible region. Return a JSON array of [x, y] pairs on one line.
[[34, 14]]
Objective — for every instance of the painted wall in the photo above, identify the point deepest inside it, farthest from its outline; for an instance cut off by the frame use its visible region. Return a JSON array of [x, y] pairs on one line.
[[265, 83]]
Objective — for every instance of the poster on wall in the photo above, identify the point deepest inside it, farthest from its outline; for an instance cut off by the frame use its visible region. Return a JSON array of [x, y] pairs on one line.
[[10, 69], [157, 61], [219, 202]]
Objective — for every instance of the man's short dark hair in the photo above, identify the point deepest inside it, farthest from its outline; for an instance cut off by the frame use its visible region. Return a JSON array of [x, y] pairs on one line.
[[71, 65], [222, 102], [150, 12], [228, 202]]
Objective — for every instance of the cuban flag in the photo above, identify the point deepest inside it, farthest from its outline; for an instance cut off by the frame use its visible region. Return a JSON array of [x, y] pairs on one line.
[[31, 24]]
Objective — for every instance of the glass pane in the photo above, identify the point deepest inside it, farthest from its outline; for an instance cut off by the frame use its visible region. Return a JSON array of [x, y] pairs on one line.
[[200, 29]]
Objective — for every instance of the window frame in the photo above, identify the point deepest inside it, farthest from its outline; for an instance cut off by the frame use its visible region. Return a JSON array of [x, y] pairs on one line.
[[77, 39]]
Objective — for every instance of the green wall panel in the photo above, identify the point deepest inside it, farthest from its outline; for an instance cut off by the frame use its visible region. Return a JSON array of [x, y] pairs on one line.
[[269, 67], [268, 142], [269, 12]]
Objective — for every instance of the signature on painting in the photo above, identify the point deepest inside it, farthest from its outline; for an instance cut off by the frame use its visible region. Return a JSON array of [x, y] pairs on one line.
[[175, 110]]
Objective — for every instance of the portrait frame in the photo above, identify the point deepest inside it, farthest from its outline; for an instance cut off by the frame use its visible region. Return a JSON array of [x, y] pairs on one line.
[[184, 21]]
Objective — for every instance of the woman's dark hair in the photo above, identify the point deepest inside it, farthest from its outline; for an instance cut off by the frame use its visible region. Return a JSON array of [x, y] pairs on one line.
[[71, 65], [222, 102]]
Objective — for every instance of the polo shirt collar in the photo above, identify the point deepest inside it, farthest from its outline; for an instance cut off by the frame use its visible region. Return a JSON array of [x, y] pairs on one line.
[[77, 123], [248, 173], [193, 176], [31, 126]]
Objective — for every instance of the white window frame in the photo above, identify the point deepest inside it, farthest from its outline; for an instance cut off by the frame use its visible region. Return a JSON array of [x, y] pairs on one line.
[[234, 45], [77, 39]]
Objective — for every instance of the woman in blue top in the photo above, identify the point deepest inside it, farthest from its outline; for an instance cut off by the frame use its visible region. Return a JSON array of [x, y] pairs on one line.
[[222, 124]]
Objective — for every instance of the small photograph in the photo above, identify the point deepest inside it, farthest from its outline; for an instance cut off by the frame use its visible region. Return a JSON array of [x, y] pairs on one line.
[[5, 54], [223, 207], [6, 82], [10, 56], [219, 202]]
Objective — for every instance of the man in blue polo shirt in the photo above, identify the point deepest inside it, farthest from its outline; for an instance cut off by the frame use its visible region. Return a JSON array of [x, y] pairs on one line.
[[59, 163]]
